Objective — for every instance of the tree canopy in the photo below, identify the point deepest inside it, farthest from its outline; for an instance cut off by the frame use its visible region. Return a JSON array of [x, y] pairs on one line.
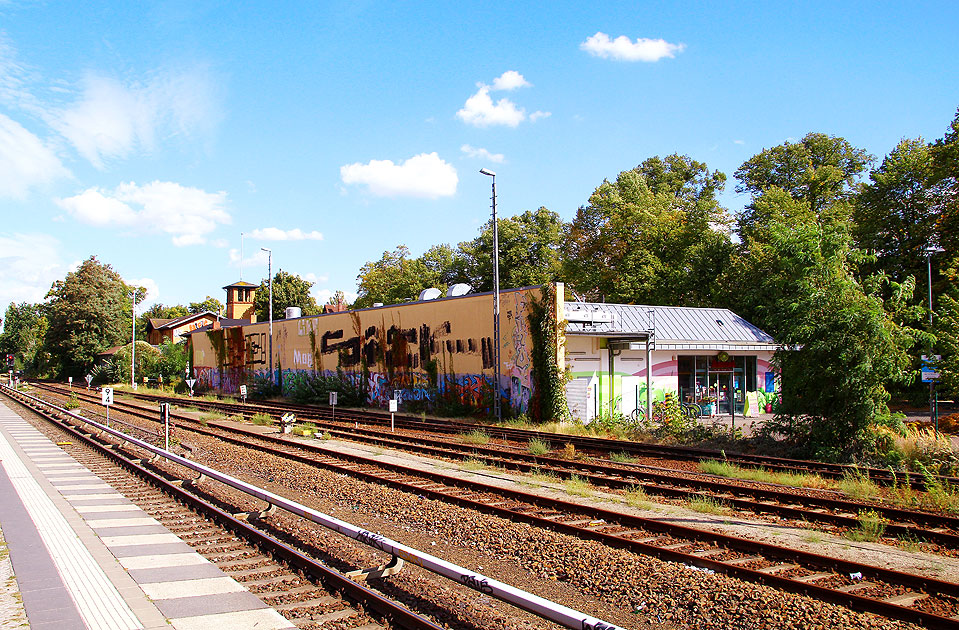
[[288, 290], [656, 235], [87, 312]]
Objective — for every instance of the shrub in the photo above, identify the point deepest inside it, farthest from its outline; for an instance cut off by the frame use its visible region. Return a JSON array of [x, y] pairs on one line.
[[538, 447], [263, 419]]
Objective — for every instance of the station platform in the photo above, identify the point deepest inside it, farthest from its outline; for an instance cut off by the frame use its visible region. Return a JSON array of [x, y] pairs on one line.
[[85, 557]]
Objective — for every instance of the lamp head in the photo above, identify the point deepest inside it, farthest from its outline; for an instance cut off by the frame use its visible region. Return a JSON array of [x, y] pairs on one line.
[[486, 171]]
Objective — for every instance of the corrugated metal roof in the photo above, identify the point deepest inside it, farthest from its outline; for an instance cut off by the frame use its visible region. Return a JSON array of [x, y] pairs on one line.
[[672, 324]]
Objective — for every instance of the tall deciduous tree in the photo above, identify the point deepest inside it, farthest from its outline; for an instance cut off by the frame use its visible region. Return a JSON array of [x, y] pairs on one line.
[[288, 290], [88, 312], [23, 331], [209, 304], [819, 169], [394, 278], [800, 266], [529, 251], [656, 235]]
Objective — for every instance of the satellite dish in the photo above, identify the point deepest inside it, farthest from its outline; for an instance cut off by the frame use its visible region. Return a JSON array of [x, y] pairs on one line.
[[430, 294], [459, 289]]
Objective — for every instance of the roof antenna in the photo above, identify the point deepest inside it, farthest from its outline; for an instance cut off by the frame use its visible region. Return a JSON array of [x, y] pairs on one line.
[[241, 256]]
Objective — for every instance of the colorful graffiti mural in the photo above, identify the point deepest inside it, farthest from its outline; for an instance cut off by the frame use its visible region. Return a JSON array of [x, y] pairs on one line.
[[423, 349]]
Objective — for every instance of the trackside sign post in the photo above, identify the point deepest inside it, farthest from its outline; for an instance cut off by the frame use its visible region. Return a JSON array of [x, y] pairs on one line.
[[106, 399], [333, 403]]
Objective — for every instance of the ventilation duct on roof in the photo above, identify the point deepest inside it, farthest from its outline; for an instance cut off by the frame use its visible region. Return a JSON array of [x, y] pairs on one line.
[[430, 294], [459, 289], [292, 312]]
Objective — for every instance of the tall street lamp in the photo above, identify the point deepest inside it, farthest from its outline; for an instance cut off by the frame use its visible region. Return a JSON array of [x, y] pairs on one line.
[[133, 345], [496, 401], [269, 271], [933, 415]]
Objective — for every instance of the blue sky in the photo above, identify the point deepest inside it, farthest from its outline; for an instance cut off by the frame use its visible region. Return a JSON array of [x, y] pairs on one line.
[[152, 134]]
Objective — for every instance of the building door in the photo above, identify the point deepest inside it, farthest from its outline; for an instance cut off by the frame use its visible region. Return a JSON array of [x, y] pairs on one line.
[[720, 387], [579, 397]]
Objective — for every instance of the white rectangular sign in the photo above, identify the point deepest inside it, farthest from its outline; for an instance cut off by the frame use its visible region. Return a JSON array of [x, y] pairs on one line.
[[393, 406], [106, 396], [333, 399], [243, 390]]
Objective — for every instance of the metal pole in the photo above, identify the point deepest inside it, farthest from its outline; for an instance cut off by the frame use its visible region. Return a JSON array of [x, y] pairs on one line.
[[496, 340], [933, 416], [269, 271], [133, 345], [496, 343]]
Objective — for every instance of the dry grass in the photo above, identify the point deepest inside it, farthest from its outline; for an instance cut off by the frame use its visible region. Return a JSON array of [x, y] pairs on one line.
[[732, 471]]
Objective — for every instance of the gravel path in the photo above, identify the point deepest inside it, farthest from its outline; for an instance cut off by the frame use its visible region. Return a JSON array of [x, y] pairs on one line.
[[12, 614]]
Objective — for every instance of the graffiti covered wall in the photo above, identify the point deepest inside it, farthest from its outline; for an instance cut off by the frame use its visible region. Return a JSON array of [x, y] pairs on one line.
[[396, 347]]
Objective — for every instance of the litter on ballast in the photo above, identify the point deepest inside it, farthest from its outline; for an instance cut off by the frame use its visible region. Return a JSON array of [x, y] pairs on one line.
[[700, 569], [598, 521], [855, 576]]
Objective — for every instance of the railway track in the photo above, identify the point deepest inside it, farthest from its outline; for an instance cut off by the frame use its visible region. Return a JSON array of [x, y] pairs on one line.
[[302, 589], [815, 507], [398, 618], [593, 445], [917, 599]]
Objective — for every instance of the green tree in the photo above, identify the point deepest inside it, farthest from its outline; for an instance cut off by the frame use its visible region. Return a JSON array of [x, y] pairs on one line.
[[842, 347], [529, 252], [657, 235], [895, 216], [393, 279], [22, 335], [209, 304], [798, 260], [819, 169], [288, 290], [88, 312]]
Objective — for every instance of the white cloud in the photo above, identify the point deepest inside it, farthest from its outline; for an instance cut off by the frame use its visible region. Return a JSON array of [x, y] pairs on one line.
[[110, 119], [739, 142], [187, 214], [624, 49], [480, 111], [153, 292], [29, 264], [25, 162], [537, 115], [510, 80], [276, 234], [312, 277], [425, 175], [482, 154]]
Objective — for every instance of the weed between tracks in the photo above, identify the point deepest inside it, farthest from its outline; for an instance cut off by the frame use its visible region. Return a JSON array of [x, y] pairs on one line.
[[725, 469], [538, 447], [577, 486], [476, 437], [263, 419], [622, 458], [708, 505], [871, 527], [636, 497]]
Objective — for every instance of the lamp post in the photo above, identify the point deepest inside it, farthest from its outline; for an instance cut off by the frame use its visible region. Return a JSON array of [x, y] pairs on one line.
[[269, 271], [933, 412], [496, 402], [133, 345]]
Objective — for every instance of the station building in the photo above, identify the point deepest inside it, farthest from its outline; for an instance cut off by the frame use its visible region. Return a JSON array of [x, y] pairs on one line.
[[601, 352]]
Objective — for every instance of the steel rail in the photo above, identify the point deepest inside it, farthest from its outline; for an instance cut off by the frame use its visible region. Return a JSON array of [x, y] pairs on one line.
[[877, 475], [903, 522], [333, 580], [553, 611]]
